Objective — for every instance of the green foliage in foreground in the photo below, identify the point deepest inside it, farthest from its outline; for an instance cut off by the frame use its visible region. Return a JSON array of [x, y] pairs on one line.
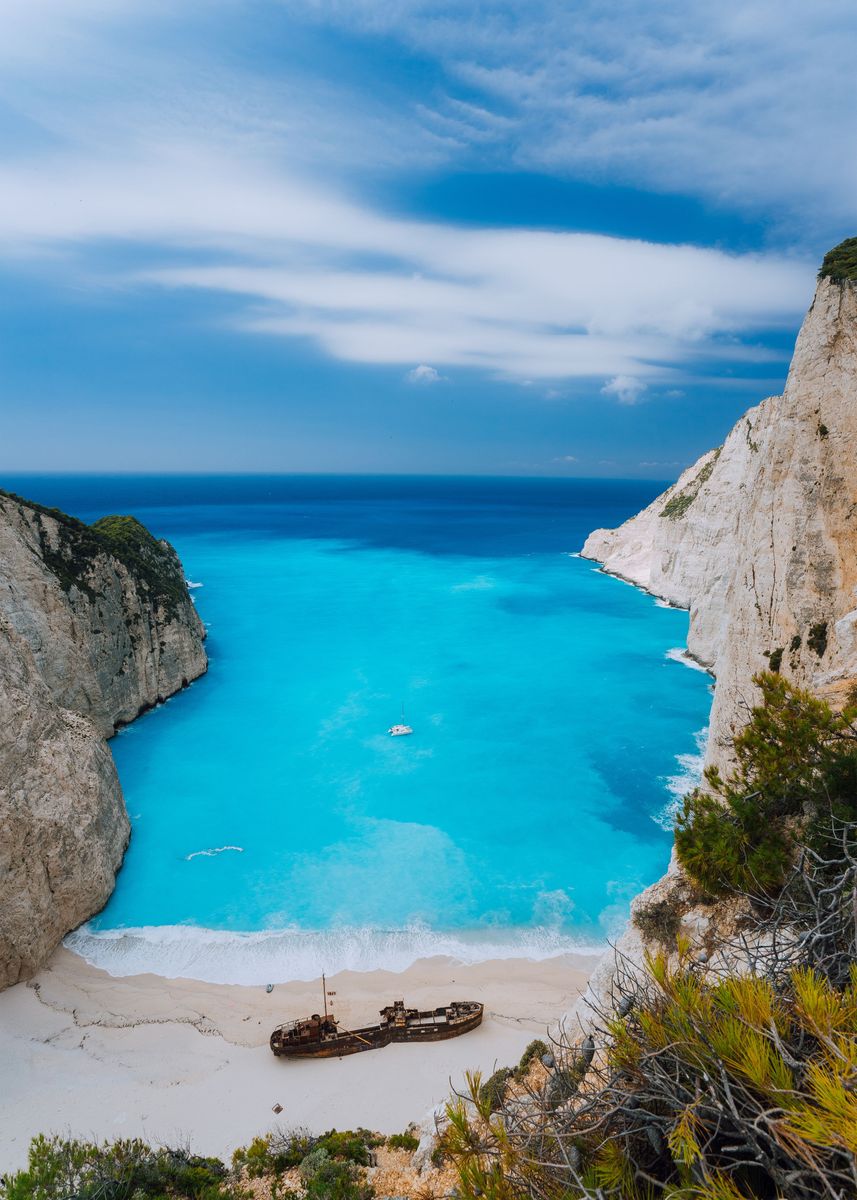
[[536, 1049], [327, 1178], [60, 1168], [712, 1090], [278, 1152], [840, 263], [796, 762], [403, 1141]]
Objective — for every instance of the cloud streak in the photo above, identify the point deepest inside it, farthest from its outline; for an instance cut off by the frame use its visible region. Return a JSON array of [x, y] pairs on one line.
[[747, 104], [304, 261], [198, 171]]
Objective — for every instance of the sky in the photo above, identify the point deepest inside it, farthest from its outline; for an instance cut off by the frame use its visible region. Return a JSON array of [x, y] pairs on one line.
[[410, 235]]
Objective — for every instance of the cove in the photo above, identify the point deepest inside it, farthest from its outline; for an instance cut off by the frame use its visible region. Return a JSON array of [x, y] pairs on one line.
[[278, 830]]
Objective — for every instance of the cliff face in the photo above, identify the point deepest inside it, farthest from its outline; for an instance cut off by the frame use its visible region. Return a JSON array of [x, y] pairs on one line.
[[759, 539], [96, 625]]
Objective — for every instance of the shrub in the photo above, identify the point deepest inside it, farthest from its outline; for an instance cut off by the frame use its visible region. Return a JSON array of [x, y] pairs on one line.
[[840, 263], [817, 638], [403, 1141], [534, 1050], [325, 1178], [274, 1153], [493, 1090], [796, 759], [278, 1152], [659, 921], [775, 659], [58, 1168]]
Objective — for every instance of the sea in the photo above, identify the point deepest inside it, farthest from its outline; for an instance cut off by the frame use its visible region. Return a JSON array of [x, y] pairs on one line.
[[278, 830]]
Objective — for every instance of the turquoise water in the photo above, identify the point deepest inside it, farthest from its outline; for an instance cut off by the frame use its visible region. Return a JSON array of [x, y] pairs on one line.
[[278, 830]]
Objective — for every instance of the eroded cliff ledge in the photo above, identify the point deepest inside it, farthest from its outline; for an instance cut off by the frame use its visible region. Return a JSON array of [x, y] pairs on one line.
[[96, 625], [759, 538]]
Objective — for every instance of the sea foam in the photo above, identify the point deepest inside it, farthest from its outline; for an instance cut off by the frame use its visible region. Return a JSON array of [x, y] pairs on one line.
[[283, 955], [683, 656], [688, 777]]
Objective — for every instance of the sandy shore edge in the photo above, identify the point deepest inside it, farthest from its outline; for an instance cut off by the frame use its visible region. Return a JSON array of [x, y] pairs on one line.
[[176, 1060]]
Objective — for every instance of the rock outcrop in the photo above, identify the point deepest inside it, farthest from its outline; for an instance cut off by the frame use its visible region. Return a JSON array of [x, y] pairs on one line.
[[759, 539], [96, 625]]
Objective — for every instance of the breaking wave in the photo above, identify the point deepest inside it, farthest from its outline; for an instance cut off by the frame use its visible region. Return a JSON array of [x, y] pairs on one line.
[[283, 955], [680, 655], [688, 777]]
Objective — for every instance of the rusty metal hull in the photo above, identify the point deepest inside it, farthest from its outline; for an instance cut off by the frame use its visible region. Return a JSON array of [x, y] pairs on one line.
[[438, 1025]]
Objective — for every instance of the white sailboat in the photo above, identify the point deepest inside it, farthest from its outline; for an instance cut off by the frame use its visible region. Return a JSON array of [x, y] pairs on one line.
[[401, 729]]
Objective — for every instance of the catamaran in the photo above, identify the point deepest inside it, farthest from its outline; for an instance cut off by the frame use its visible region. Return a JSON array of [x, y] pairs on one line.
[[401, 729]]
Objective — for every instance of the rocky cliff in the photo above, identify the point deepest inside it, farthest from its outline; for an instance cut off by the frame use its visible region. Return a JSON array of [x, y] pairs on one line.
[[759, 538], [96, 625]]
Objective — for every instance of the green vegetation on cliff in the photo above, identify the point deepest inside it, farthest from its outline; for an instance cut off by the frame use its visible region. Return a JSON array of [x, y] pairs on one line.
[[680, 502], [840, 263], [796, 763], [70, 547]]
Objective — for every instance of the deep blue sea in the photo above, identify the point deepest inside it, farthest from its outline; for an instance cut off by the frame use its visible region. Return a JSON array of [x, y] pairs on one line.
[[278, 830]]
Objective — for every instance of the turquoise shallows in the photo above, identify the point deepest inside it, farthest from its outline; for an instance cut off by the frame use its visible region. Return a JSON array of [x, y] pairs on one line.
[[278, 830]]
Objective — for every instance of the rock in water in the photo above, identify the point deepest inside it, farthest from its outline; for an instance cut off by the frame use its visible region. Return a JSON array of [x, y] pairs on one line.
[[96, 625]]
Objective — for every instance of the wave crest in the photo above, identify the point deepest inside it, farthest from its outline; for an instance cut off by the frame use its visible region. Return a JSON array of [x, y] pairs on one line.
[[285, 955]]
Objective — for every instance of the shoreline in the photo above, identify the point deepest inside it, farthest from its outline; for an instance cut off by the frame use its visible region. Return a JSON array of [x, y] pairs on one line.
[[179, 1060], [258, 957]]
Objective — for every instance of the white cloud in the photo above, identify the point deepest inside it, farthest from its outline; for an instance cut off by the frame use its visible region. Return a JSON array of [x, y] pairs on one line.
[[305, 261], [626, 388], [748, 103], [521, 303], [424, 375], [566, 458], [201, 174]]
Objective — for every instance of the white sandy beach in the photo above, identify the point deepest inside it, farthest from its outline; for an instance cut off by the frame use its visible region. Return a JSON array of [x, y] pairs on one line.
[[168, 1060]]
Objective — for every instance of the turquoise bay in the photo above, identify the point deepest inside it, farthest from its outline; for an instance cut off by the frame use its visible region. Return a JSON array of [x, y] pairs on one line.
[[278, 830]]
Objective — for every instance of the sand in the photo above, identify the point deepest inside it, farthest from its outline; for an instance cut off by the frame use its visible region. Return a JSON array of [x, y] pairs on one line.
[[85, 1053]]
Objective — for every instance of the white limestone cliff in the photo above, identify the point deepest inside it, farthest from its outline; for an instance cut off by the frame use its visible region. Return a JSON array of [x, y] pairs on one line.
[[96, 625], [759, 539]]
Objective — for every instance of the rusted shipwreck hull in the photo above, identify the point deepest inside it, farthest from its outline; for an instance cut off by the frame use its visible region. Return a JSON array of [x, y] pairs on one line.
[[320, 1036]]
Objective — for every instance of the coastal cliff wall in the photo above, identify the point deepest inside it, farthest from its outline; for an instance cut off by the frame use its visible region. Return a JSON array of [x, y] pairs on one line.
[[759, 538], [96, 625]]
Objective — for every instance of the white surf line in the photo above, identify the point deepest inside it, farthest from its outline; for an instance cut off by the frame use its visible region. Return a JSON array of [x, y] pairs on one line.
[[211, 853], [680, 655]]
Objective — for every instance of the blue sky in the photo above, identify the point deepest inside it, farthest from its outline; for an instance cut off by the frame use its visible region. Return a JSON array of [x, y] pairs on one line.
[[343, 235]]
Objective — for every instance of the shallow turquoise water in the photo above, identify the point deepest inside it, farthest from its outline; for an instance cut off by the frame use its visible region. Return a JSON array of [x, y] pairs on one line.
[[268, 802]]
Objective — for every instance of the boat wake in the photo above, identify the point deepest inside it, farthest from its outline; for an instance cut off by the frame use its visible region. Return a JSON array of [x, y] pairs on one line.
[[283, 955], [211, 853]]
